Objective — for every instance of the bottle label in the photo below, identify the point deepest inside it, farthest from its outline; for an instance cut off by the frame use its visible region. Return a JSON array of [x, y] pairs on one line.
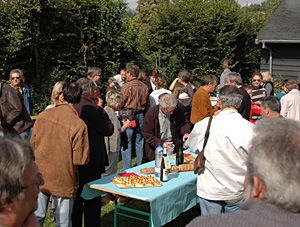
[[167, 162], [165, 175]]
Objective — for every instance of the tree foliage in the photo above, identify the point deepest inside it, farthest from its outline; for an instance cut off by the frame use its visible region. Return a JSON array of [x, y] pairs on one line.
[[52, 40]]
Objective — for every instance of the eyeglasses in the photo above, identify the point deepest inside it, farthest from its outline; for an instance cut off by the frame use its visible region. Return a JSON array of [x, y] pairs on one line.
[[15, 78], [256, 80]]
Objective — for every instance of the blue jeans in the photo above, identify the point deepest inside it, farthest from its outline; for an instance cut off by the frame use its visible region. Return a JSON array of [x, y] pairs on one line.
[[63, 209], [216, 207], [139, 143]]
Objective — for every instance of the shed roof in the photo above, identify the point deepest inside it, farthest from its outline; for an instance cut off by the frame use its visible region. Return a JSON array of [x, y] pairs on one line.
[[284, 24]]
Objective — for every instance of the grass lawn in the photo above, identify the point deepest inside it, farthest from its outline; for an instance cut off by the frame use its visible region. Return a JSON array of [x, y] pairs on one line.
[[107, 213]]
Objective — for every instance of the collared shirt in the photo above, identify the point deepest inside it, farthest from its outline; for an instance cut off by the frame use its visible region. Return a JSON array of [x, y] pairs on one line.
[[290, 105], [164, 124], [131, 91]]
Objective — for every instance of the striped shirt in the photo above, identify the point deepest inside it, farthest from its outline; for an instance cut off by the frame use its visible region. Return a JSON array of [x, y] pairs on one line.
[[131, 91]]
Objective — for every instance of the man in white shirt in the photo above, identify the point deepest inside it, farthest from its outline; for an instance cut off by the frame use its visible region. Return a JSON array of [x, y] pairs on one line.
[[290, 103], [221, 185]]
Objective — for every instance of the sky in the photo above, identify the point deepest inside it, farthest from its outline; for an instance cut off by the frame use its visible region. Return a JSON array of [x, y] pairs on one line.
[[133, 3]]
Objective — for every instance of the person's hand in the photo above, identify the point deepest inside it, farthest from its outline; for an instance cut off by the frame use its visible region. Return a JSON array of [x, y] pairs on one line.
[[167, 145], [217, 112], [258, 103], [185, 136], [126, 124], [99, 102]]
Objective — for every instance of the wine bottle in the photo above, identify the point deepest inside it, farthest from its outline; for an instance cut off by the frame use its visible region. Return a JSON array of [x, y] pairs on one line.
[[179, 156], [163, 168]]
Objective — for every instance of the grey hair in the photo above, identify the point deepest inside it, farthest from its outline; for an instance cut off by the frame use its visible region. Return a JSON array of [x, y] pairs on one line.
[[274, 158], [18, 71], [133, 70], [92, 71], [210, 79], [272, 103], [15, 156], [86, 85], [114, 99], [235, 77], [167, 100], [230, 97]]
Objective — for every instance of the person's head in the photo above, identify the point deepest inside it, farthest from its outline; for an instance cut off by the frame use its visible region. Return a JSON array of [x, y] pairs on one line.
[[167, 103], [226, 64], [142, 76], [210, 83], [16, 77], [248, 88], [256, 79], [184, 76], [19, 180], [94, 73], [154, 74], [230, 97], [123, 74], [132, 71], [88, 87], [270, 107], [72, 92], [159, 82], [273, 169], [234, 79], [114, 100], [266, 76], [57, 95], [290, 85], [112, 82], [179, 89]]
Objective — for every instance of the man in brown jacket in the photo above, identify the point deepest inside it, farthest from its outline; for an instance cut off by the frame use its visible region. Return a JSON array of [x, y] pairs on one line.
[[60, 140]]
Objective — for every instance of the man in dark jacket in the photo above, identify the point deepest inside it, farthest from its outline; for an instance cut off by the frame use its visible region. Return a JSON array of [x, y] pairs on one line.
[[162, 124], [235, 79], [99, 125], [15, 120]]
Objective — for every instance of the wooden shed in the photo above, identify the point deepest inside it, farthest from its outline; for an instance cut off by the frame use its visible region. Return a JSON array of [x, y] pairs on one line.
[[280, 41]]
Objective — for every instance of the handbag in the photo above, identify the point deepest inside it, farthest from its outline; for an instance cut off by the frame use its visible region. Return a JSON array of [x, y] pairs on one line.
[[199, 163]]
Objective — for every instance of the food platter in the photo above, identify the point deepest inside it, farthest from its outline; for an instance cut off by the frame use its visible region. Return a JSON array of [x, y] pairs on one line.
[[134, 181]]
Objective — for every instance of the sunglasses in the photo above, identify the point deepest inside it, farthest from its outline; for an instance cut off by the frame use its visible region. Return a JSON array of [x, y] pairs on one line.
[[256, 80], [15, 78]]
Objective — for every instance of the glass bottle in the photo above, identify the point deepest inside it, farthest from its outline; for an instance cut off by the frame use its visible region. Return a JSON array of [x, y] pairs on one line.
[[158, 156], [163, 168], [180, 156]]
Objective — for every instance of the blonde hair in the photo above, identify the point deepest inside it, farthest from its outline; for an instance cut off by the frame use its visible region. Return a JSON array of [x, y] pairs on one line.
[[56, 91], [266, 76]]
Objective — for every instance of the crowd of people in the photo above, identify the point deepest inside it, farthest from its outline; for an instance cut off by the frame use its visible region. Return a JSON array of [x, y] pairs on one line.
[[78, 139]]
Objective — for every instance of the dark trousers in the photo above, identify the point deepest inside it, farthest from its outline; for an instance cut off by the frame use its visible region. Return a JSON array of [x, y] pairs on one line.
[[91, 210]]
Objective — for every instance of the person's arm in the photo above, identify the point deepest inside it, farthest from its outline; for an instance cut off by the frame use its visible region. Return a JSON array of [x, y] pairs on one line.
[[12, 105], [172, 86], [284, 107], [269, 89]]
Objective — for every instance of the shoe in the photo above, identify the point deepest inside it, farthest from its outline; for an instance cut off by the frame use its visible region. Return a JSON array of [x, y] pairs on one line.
[[107, 200]]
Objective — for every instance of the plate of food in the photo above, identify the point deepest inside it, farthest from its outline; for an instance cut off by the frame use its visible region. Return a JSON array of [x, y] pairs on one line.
[[134, 181]]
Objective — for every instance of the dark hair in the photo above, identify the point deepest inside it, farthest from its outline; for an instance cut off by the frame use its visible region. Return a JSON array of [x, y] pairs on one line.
[[257, 74], [72, 92], [272, 103], [185, 76], [154, 72], [133, 70]]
